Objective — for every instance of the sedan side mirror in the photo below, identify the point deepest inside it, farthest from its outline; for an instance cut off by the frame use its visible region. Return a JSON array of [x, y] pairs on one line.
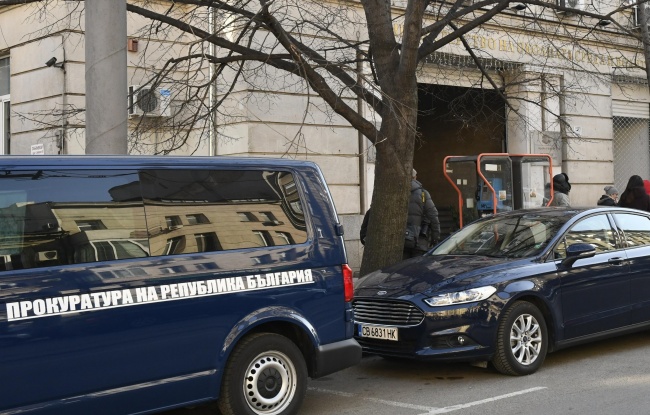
[[577, 251]]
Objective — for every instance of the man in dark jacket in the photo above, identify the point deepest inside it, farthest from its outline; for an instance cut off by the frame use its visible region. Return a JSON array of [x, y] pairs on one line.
[[422, 221], [609, 198]]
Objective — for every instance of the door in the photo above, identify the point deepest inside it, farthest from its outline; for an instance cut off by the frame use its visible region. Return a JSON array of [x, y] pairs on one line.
[[595, 292], [636, 230], [60, 230]]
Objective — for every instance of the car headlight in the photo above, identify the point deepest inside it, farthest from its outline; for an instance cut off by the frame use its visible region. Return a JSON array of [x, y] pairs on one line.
[[460, 297]]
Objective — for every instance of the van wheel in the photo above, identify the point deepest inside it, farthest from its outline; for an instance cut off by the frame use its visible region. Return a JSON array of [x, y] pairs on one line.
[[522, 340], [265, 375]]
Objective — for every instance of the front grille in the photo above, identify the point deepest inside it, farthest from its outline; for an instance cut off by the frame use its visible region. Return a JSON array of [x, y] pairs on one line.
[[386, 312]]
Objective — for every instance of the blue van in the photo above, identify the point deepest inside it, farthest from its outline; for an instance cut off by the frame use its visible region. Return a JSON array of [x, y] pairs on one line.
[[139, 284]]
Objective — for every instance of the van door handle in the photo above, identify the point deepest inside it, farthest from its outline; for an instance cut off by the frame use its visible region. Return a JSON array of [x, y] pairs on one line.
[[618, 261]]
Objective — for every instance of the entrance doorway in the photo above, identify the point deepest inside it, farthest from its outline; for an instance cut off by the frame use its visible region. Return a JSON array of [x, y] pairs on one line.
[[455, 121]]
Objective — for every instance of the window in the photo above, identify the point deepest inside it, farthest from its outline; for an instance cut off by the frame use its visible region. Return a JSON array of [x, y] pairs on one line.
[[89, 225], [69, 216], [5, 106], [630, 144], [207, 242], [172, 222], [263, 238], [104, 250], [296, 207], [513, 236], [289, 187], [269, 219], [226, 207], [284, 238], [196, 219], [175, 245], [595, 230], [130, 249], [247, 217], [4, 76], [635, 227]]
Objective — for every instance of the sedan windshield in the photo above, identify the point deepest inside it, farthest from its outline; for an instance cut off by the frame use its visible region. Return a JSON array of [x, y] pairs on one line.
[[509, 236]]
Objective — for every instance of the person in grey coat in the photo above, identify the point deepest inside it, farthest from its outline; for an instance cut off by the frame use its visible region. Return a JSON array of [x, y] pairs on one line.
[[422, 226], [561, 189]]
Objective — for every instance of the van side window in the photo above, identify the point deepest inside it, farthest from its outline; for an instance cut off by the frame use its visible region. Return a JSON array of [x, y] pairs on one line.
[[221, 210], [61, 217]]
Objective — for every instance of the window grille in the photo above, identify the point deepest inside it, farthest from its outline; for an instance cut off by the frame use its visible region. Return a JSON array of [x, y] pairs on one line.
[[631, 149]]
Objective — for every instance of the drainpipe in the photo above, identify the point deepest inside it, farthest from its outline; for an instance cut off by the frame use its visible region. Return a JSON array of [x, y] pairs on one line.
[[563, 126], [212, 138], [64, 102], [363, 164]]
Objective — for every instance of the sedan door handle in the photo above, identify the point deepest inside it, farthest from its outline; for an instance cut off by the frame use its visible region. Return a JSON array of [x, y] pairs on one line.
[[617, 261]]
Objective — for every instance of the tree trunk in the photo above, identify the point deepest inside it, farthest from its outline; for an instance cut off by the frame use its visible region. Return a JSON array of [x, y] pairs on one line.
[[387, 222]]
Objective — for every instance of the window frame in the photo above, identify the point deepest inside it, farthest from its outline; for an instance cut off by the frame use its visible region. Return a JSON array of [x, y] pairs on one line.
[[5, 130]]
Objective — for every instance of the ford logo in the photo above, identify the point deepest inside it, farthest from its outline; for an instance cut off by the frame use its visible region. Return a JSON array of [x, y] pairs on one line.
[[382, 292]]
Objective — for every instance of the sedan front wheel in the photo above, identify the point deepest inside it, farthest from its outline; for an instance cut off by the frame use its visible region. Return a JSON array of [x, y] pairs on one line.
[[522, 340]]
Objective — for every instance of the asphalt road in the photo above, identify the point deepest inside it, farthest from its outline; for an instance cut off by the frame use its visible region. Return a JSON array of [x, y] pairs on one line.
[[610, 377]]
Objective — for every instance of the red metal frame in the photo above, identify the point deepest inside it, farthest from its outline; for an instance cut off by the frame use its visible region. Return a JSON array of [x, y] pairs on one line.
[[487, 183], [460, 194]]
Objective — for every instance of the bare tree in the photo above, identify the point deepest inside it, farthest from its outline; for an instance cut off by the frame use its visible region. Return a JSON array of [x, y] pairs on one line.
[[358, 61]]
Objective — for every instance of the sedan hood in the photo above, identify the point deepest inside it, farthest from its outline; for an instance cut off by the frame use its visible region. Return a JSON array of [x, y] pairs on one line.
[[426, 274]]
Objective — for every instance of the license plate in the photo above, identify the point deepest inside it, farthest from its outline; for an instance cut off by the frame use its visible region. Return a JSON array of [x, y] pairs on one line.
[[377, 332]]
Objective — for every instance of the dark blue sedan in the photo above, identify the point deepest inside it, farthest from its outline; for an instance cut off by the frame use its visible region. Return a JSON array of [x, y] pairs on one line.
[[511, 287]]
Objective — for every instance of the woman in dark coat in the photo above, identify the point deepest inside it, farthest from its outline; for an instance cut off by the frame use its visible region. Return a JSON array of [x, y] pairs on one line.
[[634, 195], [561, 189]]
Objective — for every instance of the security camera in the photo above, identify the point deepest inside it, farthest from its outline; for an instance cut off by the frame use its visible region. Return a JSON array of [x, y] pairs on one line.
[[51, 62], [518, 6]]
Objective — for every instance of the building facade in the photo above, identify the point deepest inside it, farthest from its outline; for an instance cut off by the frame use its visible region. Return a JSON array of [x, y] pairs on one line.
[[582, 99]]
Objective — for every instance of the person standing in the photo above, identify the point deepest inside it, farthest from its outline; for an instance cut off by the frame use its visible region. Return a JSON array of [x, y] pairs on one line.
[[421, 222], [561, 189], [635, 196], [609, 198]]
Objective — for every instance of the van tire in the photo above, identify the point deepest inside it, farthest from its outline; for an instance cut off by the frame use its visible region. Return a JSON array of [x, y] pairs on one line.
[[266, 374]]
